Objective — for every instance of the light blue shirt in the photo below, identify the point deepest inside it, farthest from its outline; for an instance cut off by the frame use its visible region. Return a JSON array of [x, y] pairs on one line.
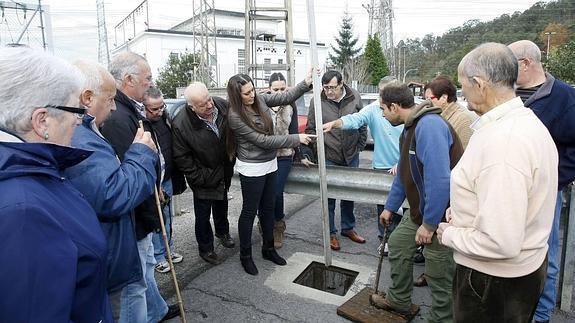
[[385, 136]]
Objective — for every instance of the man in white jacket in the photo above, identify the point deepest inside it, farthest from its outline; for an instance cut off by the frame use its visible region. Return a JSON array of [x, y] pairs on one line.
[[503, 193]]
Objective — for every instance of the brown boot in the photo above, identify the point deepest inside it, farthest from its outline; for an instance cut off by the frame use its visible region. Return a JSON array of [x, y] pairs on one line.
[[279, 228], [381, 302]]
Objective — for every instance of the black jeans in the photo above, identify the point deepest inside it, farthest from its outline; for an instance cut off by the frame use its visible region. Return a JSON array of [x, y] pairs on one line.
[[203, 228], [478, 297], [258, 195]]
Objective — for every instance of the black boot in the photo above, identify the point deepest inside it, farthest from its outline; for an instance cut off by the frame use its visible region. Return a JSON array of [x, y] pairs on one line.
[[247, 261], [269, 253]]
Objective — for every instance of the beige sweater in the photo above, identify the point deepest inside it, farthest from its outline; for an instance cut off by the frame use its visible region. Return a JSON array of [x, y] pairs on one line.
[[460, 119], [503, 193]]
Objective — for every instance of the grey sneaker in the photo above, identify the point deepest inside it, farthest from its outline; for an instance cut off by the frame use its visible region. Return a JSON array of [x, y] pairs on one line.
[[163, 267], [177, 258]]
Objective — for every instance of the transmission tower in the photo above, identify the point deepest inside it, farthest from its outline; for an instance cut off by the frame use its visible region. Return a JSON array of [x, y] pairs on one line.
[[204, 29], [253, 13], [103, 53], [385, 30]]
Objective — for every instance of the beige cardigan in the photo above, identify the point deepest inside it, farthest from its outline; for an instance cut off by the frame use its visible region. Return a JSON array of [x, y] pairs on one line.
[[460, 120]]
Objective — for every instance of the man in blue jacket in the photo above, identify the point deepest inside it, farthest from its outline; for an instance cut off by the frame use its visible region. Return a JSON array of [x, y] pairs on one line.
[[429, 149], [553, 102], [112, 188]]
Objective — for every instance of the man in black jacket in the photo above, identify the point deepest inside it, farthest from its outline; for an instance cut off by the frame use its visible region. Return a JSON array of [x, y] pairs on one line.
[[140, 301], [200, 153], [155, 106]]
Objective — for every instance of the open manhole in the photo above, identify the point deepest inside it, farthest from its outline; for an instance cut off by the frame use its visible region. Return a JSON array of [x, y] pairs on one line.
[[330, 279]]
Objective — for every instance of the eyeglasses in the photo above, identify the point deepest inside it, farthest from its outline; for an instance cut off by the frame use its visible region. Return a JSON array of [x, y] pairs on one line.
[[78, 112], [330, 87], [158, 109]]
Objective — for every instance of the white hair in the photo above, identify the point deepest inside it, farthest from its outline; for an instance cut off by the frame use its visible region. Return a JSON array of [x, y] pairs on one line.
[[526, 49], [124, 64], [31, 79], [93, 73]]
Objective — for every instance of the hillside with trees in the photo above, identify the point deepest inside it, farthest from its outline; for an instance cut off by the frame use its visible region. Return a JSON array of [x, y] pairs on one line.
[[434, 55]]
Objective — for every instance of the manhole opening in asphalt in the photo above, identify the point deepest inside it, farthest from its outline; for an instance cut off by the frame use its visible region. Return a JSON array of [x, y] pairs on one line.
[[334, 280]]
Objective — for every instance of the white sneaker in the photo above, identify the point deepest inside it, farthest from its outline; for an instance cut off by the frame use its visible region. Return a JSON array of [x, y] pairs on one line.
[[163, 267], [177, 258]]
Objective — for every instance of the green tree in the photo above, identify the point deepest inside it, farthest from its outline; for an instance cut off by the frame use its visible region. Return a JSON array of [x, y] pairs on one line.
[[562, 62], [375, 60], [346, 42], [178, 72]]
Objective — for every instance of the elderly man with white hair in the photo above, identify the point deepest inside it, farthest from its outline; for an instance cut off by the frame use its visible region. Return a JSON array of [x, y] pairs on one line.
[[200, 133], [112, 188], [553, 102], [53, 250], [503, 194]]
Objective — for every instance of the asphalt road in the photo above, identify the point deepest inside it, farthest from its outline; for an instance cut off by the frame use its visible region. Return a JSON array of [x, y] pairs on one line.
[[225, 293]]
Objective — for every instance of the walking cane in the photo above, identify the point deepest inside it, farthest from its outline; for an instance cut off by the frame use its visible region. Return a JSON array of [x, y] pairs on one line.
[[167, 246], [381, 249]]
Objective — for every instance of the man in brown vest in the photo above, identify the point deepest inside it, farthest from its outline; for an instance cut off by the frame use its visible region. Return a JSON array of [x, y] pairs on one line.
[[429, 148]]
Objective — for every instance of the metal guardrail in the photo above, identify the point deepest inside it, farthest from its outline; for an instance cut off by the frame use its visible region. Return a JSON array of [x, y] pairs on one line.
[[353, 184]]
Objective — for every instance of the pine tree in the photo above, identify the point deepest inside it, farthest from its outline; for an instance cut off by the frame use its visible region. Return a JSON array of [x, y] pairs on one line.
[[346, 43], [375, 60]]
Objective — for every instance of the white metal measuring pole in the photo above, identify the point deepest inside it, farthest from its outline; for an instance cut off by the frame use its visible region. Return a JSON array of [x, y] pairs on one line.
[[319, 131]]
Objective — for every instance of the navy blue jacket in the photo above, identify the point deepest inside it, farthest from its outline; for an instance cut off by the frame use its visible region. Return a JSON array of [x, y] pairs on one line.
[[554, 105], [114, 190], [53, 255]]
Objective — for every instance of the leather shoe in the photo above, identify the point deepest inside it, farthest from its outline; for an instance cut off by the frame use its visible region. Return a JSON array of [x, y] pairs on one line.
[[353, 236], [173, 311], [334, 243], [420, 281], [226, 240], [211, 257]]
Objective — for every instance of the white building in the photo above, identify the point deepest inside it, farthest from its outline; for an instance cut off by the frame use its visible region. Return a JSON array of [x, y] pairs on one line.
[[157, 46]]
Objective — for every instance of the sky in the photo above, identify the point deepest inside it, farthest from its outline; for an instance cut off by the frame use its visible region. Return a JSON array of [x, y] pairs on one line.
[[75, 34]]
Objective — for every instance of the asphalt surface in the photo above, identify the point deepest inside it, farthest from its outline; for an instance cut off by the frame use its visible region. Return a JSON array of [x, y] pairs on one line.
[[225, 293]]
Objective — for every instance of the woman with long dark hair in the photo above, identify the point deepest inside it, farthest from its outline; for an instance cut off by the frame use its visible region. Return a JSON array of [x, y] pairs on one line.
[[253, 143]]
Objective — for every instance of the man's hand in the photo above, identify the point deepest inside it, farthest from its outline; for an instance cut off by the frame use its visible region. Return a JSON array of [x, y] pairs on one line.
[[448, 215], [336, 124], [309, 77], [385, 217], [306, 162], [144, 137], [440, 229], [393, 170], [423, 236]]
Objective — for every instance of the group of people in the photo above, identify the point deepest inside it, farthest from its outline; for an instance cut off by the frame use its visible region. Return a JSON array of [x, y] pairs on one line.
[[86, 154], [485, 197]]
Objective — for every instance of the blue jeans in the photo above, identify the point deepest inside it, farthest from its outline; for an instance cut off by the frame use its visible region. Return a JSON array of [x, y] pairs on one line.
[[346, 207], [284, 167], [547, 300], [159, 248], [141, 301]]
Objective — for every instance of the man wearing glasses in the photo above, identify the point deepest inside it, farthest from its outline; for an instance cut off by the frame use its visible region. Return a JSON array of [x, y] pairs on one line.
[[200, 153], [155, 108], [553, 102], [342, 147]]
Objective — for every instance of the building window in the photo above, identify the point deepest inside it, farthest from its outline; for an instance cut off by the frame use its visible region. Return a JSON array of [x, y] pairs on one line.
[[267, 67], [174, 55], [242, 61], [280, 61]]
